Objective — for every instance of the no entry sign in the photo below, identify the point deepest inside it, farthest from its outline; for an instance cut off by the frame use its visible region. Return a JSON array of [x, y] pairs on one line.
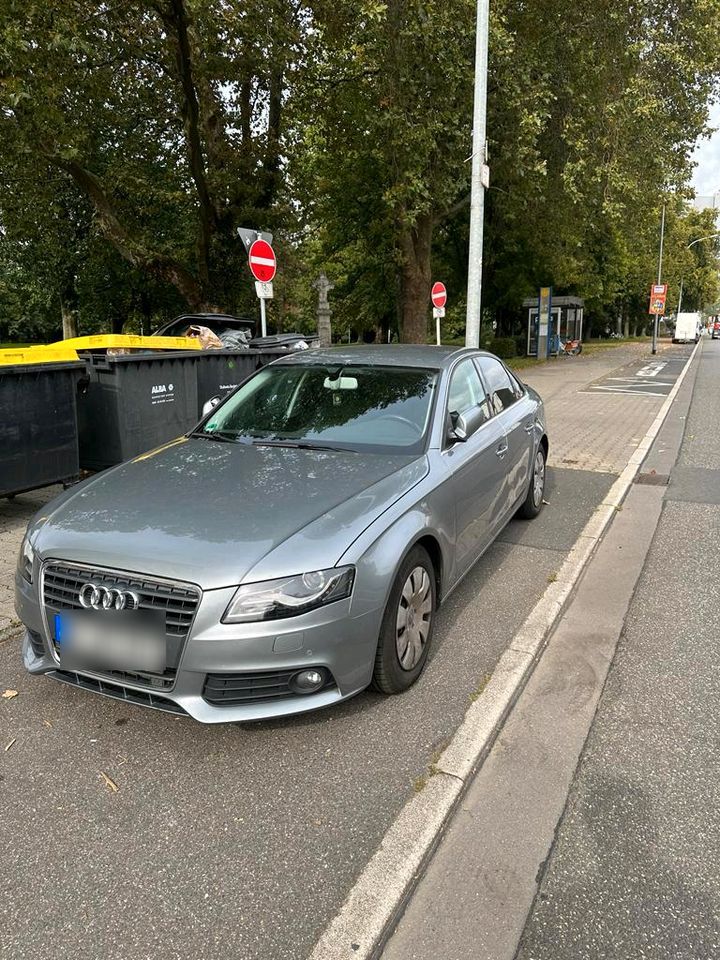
[[438, 294], [262, 261]]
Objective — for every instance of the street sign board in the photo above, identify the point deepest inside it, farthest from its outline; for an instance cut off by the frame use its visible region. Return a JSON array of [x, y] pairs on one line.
[[249, 236], [658, 296], [262, 261], [264, 291], [544, 311], [438, 294], [438, 312]]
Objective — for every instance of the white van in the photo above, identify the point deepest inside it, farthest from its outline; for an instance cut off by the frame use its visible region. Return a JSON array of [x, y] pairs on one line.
[[687, 328]]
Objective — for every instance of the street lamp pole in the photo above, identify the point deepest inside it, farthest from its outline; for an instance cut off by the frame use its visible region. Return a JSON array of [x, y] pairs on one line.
[[477, 188], [712, 236], [659, 279]]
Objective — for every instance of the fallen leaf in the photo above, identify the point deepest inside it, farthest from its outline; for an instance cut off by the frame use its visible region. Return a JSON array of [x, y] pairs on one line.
[[8, 694], [110, 784], [47, 723], [10, 744]]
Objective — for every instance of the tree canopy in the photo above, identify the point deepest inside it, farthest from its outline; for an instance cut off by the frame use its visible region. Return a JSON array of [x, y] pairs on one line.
[[137, 135]]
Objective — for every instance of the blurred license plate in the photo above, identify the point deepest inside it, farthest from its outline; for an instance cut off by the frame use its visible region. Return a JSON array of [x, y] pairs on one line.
[[112, 640]]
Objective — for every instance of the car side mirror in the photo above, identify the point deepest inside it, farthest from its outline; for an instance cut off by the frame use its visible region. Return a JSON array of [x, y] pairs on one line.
[[457, 431], [464, 425], [210, 405]]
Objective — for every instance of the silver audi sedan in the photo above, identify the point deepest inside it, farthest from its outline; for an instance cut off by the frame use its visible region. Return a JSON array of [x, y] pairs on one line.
[[295, 547]]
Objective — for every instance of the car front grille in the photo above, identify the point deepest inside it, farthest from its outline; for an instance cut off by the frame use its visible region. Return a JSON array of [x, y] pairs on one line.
[[226, 689], [117, 691], [177, 601]]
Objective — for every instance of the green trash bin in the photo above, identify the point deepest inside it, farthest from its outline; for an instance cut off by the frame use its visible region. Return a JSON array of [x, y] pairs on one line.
[[38, 425]]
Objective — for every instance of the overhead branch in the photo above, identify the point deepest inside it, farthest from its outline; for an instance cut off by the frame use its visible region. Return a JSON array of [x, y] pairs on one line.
[[153, 262], [452, 210]]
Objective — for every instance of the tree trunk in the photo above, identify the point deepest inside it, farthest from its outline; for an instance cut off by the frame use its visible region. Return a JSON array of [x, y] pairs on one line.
[[415, 280], [69, 319], [176, 21]]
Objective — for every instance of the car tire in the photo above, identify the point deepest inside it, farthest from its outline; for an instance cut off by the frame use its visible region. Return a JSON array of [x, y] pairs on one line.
[[409, 615], [533, 503]]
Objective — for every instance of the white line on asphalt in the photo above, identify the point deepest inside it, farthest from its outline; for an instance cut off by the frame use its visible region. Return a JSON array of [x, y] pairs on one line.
[[375, 901], [651, 369], [639, 383], [636, 393]]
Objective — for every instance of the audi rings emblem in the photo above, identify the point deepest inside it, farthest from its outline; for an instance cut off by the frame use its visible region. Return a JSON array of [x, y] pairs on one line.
[[96, 596]]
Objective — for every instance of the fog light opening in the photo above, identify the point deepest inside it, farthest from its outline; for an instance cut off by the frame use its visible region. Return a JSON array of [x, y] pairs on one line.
[[308, 681]]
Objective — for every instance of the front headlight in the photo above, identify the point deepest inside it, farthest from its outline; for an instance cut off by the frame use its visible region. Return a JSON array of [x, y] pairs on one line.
[[26, 559], [290, 596]]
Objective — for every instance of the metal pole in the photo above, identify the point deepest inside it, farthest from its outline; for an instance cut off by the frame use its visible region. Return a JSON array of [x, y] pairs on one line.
[[477, 190], [263, 325], [682, 280], [437, 329], [659, 279]]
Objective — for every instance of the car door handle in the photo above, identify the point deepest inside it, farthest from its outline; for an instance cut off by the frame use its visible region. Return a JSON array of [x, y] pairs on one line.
[[529, 427], [501, 451]]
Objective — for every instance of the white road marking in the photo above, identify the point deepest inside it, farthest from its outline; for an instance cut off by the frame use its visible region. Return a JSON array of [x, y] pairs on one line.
[[635, 393], [652, 369]]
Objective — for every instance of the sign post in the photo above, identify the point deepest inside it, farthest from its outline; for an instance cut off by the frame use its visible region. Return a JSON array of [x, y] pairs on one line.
[[544, 318], [438, 295], [658, 296], [659, 282], [263, 265]]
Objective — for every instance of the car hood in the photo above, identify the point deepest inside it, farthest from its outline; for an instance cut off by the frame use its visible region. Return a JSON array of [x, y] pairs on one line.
[[208, 512]]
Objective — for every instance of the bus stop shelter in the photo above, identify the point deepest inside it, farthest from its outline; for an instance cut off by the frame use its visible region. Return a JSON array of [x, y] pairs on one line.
[[566, 323]]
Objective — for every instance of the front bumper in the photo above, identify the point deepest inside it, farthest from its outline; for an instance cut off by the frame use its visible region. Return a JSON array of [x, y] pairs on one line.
[[337, 638]]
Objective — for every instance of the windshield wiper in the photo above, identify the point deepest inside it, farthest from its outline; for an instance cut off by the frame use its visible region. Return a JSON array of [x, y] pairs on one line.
[[217, 435], [300, 445]]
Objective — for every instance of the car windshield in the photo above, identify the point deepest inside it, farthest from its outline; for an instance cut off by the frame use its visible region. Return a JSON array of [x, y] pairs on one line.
[[351, 407]]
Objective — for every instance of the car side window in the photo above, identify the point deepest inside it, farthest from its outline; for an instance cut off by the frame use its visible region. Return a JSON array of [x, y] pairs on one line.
[[502, 391], [467, 392]]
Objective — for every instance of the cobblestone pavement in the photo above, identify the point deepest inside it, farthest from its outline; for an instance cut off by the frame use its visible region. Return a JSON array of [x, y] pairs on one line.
[[587, 432], [593, 431]]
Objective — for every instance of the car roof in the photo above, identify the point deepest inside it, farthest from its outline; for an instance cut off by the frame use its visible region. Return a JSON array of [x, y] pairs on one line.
[[388, 355], [212, 316]]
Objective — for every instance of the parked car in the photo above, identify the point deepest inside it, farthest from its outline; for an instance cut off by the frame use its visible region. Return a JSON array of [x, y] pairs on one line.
[[295, 546], [715, 329], [219, 323]]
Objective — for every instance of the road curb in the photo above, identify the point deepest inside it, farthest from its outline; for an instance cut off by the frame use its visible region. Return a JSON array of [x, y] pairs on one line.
[[371, 909]]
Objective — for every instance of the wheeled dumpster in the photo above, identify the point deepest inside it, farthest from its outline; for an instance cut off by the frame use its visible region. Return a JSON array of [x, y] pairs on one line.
[[38, 422], [220, 371], [134, 403]]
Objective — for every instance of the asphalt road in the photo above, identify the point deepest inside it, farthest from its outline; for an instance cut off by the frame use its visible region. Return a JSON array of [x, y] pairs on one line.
[[243, 836], [634, 871], [243, 841], [648, 377]]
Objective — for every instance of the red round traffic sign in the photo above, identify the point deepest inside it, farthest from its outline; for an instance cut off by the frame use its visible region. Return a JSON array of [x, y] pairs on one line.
[[262, 261], [438, 294]]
